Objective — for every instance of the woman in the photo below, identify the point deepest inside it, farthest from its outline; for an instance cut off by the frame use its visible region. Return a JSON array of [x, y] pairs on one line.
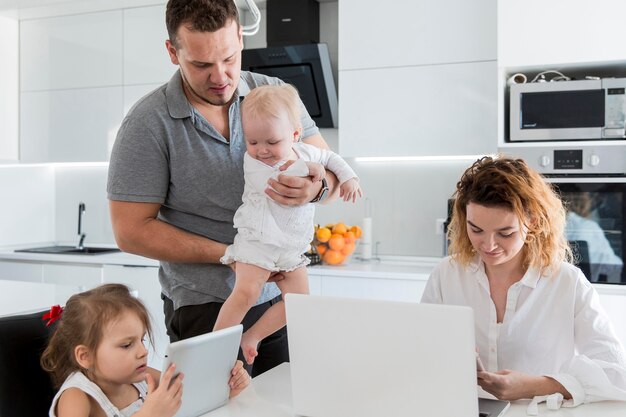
[[540, 329]]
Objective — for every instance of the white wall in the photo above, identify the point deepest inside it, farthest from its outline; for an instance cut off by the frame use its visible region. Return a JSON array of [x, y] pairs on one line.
[[27, 212]]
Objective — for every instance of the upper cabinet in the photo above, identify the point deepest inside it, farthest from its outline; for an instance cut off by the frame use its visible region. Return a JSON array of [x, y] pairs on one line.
[[541, 33], [77, 75], [415, 32], [417, 78], [71, 52]]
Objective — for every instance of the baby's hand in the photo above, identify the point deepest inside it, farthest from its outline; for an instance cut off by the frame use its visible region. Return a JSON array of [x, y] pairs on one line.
[[316, 171], [164, 400], [350, 190]]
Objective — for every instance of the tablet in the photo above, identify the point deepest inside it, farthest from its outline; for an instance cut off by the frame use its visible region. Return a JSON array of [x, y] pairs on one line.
[[206, 361]]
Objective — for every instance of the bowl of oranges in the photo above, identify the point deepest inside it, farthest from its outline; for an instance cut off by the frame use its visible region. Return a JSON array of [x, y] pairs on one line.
[[334, 243]]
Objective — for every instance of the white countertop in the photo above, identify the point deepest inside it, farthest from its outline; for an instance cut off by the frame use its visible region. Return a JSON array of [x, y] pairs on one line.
[[112, 258], [397, 267]]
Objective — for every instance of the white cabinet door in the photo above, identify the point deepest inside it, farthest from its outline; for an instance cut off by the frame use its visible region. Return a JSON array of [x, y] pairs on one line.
[[145, 58], [315, 284], [75, 125], [76, 51], [542, 33], [84, 277], [615, 306], [373, 288], [21, 271], [415, 32], [145, 282], [430, 110]]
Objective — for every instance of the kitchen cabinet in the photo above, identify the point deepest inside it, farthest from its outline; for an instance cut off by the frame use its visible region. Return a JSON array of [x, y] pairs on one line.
[[390, 282], [545, 33], [410, 33], [73, 125], [420, 81], [144, 282], [21, 271], [423, 110], [96, 66], [76, 51]]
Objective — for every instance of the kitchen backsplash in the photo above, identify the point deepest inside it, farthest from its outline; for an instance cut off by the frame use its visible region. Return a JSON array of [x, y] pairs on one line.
[[406, 198]]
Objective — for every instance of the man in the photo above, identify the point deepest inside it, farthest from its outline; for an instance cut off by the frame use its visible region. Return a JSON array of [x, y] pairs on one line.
[[176, 173]]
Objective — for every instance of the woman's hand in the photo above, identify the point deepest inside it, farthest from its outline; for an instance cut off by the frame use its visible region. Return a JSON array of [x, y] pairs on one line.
[[513, 385], [239, 379], [165, 399]]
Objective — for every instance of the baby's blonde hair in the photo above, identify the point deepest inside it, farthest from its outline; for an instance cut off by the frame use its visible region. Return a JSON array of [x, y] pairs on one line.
[[274, 101]]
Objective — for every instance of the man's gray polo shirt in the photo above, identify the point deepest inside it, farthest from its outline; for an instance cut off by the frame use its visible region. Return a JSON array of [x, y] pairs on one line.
[[167, 153]]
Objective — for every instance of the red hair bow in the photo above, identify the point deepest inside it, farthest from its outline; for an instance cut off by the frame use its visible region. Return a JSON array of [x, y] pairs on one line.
[[53, 315]]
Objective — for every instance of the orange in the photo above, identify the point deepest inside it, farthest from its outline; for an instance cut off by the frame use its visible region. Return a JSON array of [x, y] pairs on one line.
[[336, 241], [350, 237], [348, 249], [321, 248], [323, 234], [340, 228], [358, 232], [333, 257]]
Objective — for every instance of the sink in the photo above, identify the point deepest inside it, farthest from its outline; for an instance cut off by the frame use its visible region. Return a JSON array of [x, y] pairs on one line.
[[70, 250]]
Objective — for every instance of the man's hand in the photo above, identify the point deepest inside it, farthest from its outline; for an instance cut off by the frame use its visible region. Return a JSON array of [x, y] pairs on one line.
[[292, 191]]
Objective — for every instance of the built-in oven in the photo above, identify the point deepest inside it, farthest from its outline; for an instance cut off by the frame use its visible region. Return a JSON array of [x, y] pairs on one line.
[[592, 183]]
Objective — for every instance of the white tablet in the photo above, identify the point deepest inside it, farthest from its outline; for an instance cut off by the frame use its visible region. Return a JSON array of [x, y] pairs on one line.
[[206, 361]]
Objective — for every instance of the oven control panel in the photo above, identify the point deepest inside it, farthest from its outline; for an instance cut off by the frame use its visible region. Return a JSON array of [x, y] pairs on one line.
[[573, 161]]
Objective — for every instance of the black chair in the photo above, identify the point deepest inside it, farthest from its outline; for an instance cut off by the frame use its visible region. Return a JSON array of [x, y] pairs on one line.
[[26, 390]]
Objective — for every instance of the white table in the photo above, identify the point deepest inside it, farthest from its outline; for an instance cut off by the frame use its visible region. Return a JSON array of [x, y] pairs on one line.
[[269, 395]]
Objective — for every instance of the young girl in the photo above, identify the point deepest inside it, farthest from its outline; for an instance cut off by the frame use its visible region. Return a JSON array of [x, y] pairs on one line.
[[97, 355], [540, 329], [272, 237]]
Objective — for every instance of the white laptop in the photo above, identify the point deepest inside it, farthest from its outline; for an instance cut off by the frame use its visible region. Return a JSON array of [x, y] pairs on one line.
[[206, 361], [352, 357]]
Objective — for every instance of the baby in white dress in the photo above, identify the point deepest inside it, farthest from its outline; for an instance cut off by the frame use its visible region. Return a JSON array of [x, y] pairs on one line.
[[272, 237]]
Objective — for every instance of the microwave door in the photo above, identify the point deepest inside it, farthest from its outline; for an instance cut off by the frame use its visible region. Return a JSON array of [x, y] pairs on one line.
[[557, 111]]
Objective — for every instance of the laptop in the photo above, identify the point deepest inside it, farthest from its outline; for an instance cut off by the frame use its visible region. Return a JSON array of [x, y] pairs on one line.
[[381, 358], [206, 361]]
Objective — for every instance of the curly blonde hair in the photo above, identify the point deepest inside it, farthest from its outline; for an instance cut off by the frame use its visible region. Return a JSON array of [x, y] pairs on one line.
[[511, 184]]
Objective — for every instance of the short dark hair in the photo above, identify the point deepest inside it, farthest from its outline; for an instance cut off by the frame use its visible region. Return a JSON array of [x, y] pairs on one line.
[[199, 15]]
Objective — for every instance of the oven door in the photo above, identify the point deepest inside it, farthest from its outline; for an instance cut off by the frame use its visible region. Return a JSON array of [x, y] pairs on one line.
[[595, 225]]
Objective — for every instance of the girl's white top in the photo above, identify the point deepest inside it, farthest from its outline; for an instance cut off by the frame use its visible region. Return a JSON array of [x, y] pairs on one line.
[[553, 325], [80, 381], [263, 219]]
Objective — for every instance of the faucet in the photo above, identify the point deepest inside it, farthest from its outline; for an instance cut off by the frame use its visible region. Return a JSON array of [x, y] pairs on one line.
[[81, 240]]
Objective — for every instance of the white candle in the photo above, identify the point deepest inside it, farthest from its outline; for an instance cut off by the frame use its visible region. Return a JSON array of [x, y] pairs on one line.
[[366, 239]]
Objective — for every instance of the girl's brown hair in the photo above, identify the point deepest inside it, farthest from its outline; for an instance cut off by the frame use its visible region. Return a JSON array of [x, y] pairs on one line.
[[82, 323], [509, 183]]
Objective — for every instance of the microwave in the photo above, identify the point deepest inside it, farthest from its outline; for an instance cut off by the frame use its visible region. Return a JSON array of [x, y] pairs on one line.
[[568, 110]]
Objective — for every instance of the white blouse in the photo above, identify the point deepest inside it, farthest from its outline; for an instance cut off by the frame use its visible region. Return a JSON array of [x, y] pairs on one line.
[[552, 326]]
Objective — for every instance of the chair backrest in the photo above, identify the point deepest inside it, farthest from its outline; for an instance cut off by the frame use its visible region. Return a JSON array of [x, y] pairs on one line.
[[26, 390]]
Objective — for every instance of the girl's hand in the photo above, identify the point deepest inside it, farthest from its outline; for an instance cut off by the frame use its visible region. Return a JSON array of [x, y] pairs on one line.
[[350, 190], [164, 400], [239, 379]]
